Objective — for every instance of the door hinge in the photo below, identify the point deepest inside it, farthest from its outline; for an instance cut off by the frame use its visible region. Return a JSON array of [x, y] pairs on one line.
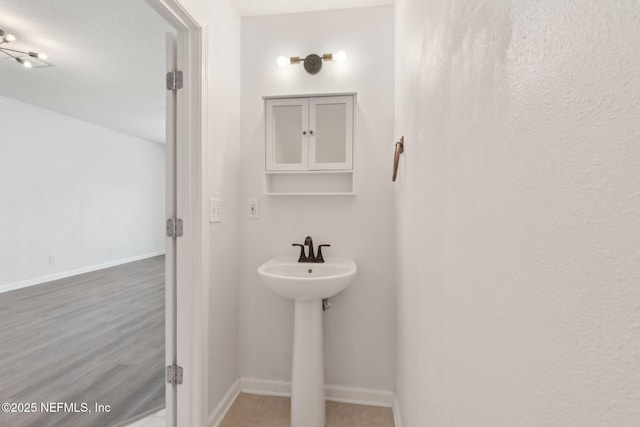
[[174, 374], [174, 80], [174, 227]]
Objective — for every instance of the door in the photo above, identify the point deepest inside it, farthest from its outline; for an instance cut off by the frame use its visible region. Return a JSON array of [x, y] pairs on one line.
[[287, 134], [331, 133], [171, 246]]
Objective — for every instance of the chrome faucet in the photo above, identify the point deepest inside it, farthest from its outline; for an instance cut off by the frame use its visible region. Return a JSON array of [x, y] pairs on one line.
[[308, 241]]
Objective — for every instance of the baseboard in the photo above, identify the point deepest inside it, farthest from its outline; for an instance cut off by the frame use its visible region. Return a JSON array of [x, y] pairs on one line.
[[223, 407], [45, 279], [266, 387], [359, 396], [397, 421], [335, 393]]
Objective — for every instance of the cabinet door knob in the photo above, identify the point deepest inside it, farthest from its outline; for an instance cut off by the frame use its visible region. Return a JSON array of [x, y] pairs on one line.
[[304, 132], [310, 132]]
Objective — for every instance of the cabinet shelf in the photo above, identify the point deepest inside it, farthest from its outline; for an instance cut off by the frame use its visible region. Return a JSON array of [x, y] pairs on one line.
[[309, 183], [311, 194], [311, 172]]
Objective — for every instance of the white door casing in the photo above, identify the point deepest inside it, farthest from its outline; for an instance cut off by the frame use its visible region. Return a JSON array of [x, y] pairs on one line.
[[191, 298]]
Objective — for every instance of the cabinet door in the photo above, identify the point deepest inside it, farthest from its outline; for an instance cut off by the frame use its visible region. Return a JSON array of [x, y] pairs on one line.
[[287, 134], [331, 133]]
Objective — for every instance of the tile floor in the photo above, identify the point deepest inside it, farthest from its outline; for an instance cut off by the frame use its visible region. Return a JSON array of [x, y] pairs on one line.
[[253, 410]]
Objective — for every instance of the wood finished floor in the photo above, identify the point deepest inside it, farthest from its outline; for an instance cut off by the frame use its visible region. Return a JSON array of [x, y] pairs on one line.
[[94, 338], [253, 410]]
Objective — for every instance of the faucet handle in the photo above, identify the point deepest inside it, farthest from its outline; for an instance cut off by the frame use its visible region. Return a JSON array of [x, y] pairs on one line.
[[302, 257], [319, 257]]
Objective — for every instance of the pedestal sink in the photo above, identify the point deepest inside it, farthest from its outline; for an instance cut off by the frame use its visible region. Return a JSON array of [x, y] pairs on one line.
[[307, 284]]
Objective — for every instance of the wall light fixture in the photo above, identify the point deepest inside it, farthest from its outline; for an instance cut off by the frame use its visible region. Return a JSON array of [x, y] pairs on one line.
[[26, 59], [312, 63]]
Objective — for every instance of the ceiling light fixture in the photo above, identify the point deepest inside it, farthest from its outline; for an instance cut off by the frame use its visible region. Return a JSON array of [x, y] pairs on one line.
[[15, 54], [312, 63]]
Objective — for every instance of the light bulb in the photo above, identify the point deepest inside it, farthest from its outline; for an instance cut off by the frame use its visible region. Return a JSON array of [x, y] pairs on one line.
[[38, 55], [283, 61], [25, 64], [340, 56], [9, 38]]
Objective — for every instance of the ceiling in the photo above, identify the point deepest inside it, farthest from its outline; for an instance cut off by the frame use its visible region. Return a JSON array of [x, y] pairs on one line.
[[274, 7], [108, 57]]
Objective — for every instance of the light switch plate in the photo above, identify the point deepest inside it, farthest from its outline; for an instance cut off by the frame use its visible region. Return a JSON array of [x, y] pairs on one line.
[[215, 210]]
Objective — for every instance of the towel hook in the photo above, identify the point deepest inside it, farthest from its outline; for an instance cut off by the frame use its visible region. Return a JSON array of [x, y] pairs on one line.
[[396, 157]]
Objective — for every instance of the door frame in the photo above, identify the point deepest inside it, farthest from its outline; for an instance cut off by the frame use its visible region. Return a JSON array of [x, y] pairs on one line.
[[192, 275]]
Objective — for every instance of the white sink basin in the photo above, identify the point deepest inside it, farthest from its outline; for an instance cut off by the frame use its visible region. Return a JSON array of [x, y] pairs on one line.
[[307, 281], [307, 284]]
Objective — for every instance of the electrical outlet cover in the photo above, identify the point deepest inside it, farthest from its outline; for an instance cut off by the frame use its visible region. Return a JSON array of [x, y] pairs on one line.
[[253, 209]]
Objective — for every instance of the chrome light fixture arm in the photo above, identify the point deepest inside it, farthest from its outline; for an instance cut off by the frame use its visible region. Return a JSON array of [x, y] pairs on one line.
[[8, 38]]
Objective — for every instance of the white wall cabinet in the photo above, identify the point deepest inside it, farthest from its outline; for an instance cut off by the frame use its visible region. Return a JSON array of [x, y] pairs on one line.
[[309, 145], [309, 133]]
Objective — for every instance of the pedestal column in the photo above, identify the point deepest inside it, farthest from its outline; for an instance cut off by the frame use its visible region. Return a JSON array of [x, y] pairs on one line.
[[307, 376]]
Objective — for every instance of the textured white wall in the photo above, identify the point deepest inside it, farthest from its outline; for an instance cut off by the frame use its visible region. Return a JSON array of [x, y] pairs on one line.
[[74, 189], [519, 212], [224, 183], [359, 332], [222, 26]]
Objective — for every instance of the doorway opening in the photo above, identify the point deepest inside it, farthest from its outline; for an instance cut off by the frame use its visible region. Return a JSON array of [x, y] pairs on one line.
[[83, 279]]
